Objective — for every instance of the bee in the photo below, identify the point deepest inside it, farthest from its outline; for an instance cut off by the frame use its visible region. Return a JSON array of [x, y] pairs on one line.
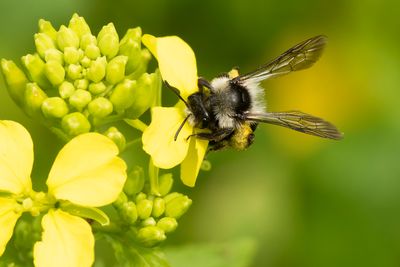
[[232, 105]]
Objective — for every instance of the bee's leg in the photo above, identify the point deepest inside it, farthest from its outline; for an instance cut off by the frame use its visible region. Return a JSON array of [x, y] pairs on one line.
[[215, 136], [201, 83], [176, 92]]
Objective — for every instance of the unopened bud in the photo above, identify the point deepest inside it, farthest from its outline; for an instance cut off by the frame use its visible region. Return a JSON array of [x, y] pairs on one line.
[[108, 41], [168, 224], [121, 200], [122, 96], [149, 222], [92, 51], [81, 84], [97, 88], [135, 181], [88, 39], [158, 207], [79, 25], [141, 68], [130, 46], [36, 70], [66, 89], [43, 42], [100, 107], [75, 123], [48, 29], [117, 137], [129, 212], [165, 183], [55, 72], [97, 70], [172, 196], [79, 99], [74, 71], [34, 97], [54, 107], [72, 55], [66, 38], [140, 196], [144, 94], [151, 235], [54, 55], [15, 79], [177, 206], [116, 69], [144, 208], [86, 62]]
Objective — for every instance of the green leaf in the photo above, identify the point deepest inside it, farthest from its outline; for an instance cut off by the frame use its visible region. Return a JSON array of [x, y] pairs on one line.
[[238, 253], [86, 212], [132, 255]]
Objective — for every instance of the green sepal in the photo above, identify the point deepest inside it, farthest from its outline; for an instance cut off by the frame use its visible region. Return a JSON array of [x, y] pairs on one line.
[[115, 71], [66, 89], [177, 206], [35, 67], [115, 135], [79, 25], [87, 39], [75, 123], [144, 208], [55, 55], [67, 38], [15, 80], [80, 98], [130, 46], [145, 57], [43, 42], [168, 224], [34, 97], [48, 29], [144, 94], [108, 41], [54, 107], [72, 55], [85, 212], [158, 207], [122, 95], [54, 72], [150, 236], [135, 181], [165, 182], [97, 70]]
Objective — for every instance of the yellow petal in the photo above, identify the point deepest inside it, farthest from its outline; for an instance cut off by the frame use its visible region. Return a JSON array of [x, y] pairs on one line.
[[191, 165], [158, 138], [176, 61], [8, 218], [16, 157], [67, 241], [87, 171]]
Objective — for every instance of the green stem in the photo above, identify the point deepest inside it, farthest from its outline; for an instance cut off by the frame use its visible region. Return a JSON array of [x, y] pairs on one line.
[[133, 143], [107, 120], [153, 177], [137, 124]]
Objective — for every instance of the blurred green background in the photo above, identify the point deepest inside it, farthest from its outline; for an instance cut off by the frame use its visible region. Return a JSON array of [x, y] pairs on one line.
[[303, 200]]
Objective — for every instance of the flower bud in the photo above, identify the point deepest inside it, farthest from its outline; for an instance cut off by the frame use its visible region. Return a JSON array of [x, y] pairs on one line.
[[129, 212], [151, 235], [75, 123], [79, 99], [48, 29], [15, 79], [100, 107], [79, 25], [140, 196], [54, 72], [149, 222], [74, 71], [141, 68], [36, 70], [144, 208], [97, 70], [130, 46], [87, 39], [172, 196], [86, 62], [177, 206], [34, 97], [121, 200], [144, 94], [122, 96], [81, 84], [158, 207], [67, 38], [115, 135], [108, 41], [92, 51], [116, 69], [165, 183], [54, 55], [135, 181], [168, 224], [97, 88], [133, 34], [54, 107], [43, 42], [72, 55]]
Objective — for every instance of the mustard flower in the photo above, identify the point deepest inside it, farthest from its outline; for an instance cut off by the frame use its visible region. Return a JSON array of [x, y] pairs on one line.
[[86, 173], [177, 64]]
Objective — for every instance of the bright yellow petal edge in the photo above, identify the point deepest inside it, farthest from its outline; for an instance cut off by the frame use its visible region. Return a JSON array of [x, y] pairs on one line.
[[16, 158], [176, 60], [8, 219], [190, 167], [87, 171], [67, 241], [158, 138]]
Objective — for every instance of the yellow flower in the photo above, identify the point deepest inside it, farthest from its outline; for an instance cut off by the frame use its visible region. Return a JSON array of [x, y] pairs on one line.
[[177, 64], [86, 172]]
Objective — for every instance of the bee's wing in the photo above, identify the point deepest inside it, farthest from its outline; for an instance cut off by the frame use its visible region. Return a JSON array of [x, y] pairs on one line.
[[298, 121], [299, 57]]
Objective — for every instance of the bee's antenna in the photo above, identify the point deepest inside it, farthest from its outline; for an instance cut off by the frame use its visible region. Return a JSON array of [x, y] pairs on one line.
[[176, 91], [180, 127]]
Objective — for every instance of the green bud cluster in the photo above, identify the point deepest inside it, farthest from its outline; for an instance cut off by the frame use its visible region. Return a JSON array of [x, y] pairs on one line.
[[152, 217], [75, 80]]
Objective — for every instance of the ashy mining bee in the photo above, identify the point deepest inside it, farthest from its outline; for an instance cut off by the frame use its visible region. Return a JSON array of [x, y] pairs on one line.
[[232, 105]]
